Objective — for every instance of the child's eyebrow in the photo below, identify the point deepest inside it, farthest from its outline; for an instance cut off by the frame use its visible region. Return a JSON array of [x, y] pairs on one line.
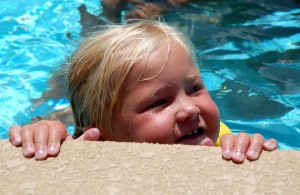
[[159, 89], [189, 79], [193, 78], [150, 95]]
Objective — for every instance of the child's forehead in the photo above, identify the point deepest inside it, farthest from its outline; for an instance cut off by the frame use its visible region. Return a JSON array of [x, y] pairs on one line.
[[162, 56], [163, 65]]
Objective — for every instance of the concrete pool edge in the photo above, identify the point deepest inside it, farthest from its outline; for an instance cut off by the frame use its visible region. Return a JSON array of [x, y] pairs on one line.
[[122, 168]]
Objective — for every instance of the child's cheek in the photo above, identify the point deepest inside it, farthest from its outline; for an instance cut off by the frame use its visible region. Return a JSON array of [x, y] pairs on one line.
[[156, 128]]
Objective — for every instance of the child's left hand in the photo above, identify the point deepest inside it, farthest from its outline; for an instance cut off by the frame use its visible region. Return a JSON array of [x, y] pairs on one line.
[[237, 148]]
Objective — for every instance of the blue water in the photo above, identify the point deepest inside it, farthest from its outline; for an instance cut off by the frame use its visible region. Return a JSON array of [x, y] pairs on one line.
[[249, 55]]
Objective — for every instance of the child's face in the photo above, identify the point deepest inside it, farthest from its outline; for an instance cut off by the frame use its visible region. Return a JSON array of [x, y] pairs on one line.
[[168, 105]]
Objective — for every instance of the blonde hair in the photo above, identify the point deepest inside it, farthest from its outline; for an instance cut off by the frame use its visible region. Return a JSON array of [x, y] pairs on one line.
[[101, 65]]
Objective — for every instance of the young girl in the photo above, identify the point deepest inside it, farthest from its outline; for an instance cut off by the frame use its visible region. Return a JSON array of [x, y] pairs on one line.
[[138, 82]]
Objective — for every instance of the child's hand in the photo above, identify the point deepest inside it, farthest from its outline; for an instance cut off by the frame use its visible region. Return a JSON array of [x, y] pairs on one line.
[[237, 148], [44, 138]]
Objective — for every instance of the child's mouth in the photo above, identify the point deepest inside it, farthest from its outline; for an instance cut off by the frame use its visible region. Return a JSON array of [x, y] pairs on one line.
[[192, 137]]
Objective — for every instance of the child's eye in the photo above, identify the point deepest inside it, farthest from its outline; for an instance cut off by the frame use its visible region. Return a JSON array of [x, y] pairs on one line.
[[196, 88], [157, 104]]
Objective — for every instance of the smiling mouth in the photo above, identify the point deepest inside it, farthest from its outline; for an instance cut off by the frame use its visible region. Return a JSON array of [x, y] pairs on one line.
[[193, 134]]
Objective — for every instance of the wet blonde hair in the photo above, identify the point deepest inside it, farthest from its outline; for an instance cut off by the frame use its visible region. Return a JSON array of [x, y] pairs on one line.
[[101, 65]]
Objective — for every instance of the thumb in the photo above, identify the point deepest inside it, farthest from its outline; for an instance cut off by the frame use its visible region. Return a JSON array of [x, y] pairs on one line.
[[92, 134]]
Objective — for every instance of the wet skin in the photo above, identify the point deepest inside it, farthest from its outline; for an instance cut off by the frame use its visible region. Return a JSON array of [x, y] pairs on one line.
[[167, 104]]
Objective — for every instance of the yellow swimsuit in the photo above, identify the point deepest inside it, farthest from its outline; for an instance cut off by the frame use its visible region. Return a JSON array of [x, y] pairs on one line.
[[223, 130]]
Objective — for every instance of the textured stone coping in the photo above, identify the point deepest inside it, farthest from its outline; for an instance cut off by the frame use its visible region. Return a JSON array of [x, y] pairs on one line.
[[132, 168]]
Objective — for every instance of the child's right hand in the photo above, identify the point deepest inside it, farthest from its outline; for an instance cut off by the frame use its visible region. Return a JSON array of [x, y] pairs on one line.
[[44, 138]]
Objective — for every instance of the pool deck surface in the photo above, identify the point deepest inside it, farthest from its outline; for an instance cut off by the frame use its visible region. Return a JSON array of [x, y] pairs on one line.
[[132, 168]]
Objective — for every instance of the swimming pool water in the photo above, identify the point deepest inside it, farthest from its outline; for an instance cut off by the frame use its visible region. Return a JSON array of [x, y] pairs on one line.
[[249, 54]]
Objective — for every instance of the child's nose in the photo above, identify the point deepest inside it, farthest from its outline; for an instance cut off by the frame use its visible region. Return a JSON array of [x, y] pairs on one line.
[[187, 109]]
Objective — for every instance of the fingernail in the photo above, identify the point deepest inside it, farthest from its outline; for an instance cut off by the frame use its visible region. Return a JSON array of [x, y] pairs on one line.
[[17, 141], [239, 155], [270, 145], [52, 148], [253, 153], [227, 153], [40, 153], [29, 150]]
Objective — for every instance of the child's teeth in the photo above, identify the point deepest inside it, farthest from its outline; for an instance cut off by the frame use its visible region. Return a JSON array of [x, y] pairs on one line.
[[193, 132]]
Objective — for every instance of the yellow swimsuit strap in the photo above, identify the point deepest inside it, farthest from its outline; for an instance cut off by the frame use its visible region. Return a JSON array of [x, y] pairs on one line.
[[223, 130]]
